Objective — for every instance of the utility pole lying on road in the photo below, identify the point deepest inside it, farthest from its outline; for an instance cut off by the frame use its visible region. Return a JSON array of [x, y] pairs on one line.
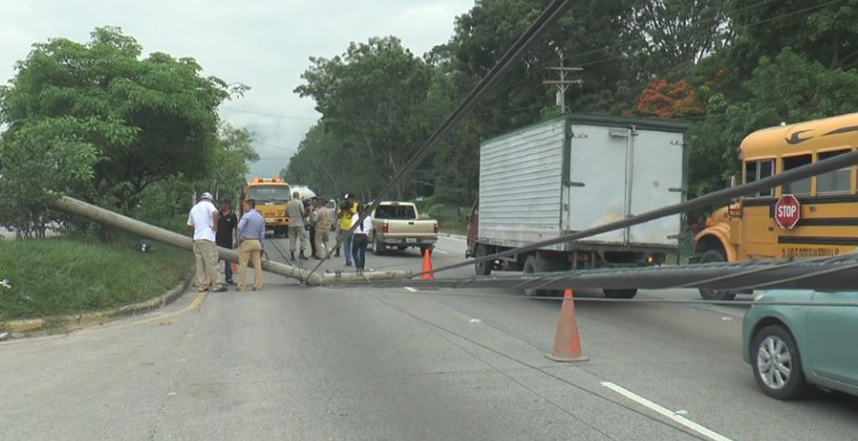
[[107, 217]]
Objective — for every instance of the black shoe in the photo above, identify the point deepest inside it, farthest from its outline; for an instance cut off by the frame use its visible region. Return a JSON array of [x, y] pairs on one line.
[[221, 289], [303, 257], [230, 282]]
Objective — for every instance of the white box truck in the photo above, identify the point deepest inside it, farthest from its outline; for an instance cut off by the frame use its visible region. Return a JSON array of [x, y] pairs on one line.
[[571, 174]]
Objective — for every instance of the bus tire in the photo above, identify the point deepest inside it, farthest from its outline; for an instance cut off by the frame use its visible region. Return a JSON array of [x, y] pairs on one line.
[[722, 295]]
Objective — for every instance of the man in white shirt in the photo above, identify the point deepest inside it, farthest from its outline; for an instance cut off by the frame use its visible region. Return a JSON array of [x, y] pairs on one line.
[[202, 221]]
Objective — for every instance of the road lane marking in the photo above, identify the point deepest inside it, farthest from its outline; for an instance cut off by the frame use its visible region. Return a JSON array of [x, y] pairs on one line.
[[410, 289], [674, 416], [441, 251]]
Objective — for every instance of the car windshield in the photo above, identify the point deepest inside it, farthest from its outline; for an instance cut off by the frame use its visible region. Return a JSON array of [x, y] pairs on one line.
[[400, 212], [270, 193]]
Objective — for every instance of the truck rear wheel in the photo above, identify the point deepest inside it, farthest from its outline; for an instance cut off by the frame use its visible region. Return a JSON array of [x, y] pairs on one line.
[[620, 293], [715, 256], [482, 268]]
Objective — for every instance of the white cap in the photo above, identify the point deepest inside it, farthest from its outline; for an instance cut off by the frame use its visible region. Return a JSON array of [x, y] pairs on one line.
[[207, 195]]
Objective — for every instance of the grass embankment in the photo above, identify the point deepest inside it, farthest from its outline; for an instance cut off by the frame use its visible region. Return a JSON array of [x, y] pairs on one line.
[[54, 277]]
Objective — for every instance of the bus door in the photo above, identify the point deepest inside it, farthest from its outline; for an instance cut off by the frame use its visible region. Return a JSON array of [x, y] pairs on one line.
[[757, 233]]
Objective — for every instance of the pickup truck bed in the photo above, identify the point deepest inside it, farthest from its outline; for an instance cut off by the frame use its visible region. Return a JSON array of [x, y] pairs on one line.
[[396, 225]]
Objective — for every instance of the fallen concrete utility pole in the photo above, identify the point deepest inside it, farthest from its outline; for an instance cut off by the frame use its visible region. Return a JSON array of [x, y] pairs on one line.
[[825, 274], [73, 206]]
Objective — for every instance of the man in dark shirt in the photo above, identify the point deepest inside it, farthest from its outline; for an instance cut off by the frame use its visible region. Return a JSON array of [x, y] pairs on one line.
[[225, 237]]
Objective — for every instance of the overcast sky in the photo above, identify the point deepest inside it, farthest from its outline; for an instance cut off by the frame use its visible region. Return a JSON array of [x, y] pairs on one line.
[[262, 43]]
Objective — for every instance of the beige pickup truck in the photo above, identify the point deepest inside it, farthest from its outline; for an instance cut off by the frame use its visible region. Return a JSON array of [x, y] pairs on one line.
[[397, 225]]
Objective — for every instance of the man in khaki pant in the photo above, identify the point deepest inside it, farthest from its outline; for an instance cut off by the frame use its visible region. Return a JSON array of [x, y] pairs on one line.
[[322, 222], [297, 234], [202, 221], [251, 233]]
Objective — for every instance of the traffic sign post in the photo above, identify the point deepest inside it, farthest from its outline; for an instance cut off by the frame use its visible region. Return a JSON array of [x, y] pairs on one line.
[[787, 211]]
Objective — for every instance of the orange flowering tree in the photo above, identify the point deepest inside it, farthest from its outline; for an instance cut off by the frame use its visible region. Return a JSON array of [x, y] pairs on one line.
[[663, 99]]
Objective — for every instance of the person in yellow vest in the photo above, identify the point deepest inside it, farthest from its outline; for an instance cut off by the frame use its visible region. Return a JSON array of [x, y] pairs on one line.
[[348, 209]]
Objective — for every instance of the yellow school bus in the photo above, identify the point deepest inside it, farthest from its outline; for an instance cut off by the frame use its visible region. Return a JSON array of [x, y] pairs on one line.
[[827, 221], [271, 196]]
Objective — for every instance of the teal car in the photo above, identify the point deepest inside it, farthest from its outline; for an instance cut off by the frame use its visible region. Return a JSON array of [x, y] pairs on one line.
[[791, 348]]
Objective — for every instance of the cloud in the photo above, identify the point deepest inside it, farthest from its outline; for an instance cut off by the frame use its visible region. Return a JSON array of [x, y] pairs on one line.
[[263, 43]]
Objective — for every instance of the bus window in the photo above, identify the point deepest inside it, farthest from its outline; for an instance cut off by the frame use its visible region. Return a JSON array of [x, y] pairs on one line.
[[801, 187], [838, 181], [756, 170]]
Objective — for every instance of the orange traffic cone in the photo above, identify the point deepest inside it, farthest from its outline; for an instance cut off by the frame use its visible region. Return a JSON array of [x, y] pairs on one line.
[[427, 267], [427, 270], [567, 343]]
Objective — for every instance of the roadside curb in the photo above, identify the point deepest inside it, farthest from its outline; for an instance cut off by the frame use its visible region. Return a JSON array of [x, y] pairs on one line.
[[66, 324], [453, 236]]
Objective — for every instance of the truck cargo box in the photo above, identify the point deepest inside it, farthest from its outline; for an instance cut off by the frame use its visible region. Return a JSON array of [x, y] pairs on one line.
[[577, 172]]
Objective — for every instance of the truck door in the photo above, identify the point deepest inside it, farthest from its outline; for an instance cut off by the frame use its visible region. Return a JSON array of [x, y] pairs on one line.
[[597, 181], [656, 181]]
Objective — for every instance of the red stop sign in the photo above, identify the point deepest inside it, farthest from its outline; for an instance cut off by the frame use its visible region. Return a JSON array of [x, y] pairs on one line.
[[787, 211]]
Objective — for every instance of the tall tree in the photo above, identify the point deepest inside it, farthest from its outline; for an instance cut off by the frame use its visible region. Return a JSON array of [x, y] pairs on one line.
[[367, 98], [323, 164], [672, 36]]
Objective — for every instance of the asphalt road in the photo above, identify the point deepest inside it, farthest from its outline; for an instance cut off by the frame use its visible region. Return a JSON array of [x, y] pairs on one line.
[[299, 363]]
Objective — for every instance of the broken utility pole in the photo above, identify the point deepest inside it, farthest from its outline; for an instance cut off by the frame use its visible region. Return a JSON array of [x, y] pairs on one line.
[[107, 217]]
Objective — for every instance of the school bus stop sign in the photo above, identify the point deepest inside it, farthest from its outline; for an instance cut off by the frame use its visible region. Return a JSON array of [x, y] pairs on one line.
[[787, 211]]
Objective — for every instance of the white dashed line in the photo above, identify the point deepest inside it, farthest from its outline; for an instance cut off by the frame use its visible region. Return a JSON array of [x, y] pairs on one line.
[[410, 289], [674, 416]]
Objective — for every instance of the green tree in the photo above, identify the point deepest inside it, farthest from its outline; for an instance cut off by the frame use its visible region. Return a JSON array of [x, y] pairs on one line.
[[367, 98], [821, 31], [672, 36], [228, 163], [322, 163], [148, 119], [48, 154]]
